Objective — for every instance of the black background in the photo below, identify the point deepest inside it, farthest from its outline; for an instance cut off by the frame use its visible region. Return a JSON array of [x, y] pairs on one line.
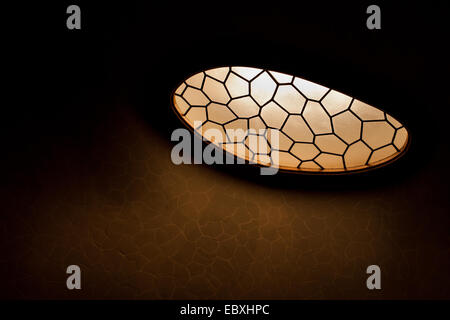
[[69, 80]]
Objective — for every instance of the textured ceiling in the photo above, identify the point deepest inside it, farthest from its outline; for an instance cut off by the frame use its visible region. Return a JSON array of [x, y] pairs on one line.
[[88, 178]]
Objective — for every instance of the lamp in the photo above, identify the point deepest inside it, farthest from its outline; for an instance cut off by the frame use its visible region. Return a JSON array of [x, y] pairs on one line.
[[318, 129]]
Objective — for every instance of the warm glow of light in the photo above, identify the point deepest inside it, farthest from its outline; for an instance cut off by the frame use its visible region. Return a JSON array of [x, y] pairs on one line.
[[320, 129]]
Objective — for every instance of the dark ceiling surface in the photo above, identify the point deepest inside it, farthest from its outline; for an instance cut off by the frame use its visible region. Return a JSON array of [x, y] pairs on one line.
[[88, 178]]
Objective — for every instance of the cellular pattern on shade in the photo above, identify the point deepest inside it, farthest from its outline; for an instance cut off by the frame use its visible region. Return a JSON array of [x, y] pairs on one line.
[[318, 129]]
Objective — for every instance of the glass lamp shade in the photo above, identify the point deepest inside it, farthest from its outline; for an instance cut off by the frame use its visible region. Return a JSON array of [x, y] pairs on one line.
[[317, 129]]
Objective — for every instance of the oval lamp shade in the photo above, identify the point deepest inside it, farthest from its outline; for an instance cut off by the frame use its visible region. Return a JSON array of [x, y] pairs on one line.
[[316, 129]]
